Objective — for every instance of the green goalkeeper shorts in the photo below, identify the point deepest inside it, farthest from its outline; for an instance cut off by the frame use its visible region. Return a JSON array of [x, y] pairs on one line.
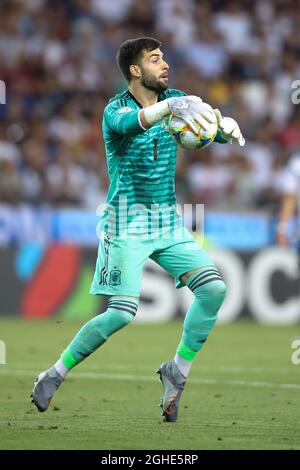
[[120, 262]]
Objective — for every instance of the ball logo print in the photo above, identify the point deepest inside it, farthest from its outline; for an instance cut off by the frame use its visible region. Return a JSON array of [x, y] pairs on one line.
[[2, 352]]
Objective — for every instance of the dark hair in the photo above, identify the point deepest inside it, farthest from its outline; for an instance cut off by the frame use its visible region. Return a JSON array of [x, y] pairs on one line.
[[130, 53]]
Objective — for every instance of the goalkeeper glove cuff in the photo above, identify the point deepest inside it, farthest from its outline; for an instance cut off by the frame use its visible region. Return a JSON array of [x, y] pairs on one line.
[[229, 128]]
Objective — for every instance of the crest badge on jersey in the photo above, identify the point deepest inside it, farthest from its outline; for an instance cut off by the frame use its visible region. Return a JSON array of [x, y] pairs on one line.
[[115, 277]]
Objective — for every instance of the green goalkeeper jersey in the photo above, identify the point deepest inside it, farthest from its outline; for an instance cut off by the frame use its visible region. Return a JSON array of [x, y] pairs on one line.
[[141, 167]]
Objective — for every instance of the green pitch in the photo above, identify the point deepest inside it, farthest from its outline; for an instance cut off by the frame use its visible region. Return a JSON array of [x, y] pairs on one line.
[[243, 392]]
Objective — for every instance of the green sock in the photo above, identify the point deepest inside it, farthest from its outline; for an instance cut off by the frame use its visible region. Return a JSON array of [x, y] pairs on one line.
[[209, 290], [120, 312]]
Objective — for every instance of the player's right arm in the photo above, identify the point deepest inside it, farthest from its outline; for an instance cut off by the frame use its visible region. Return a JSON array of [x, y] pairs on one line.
[[125, 120], [189, 108]]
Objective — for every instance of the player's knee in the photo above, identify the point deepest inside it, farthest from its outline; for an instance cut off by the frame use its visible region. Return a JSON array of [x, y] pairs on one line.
[[125, 318], [211, 294], [216, 289], [123, 309]]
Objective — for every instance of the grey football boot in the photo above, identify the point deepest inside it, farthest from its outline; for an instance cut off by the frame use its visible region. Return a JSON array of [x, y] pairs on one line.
[[44, 388], [173, 383]]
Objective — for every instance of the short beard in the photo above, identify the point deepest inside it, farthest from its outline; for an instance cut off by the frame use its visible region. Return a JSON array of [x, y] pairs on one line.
[[151, 83]]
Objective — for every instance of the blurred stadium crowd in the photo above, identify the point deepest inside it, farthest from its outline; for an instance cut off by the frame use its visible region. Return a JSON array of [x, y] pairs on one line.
[[57, 59]]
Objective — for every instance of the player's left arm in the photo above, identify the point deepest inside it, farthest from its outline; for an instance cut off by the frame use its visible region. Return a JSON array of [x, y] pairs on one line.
[[228, 130]]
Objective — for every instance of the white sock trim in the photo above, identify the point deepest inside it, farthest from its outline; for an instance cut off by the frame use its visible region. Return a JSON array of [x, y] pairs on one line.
[[183, 365], [61, 368]]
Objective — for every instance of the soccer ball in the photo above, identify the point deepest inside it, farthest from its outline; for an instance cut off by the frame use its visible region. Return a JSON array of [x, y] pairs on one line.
[[184, 136]]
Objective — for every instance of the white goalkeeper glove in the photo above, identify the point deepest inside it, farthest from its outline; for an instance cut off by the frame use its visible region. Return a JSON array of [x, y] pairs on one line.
[[193, 111], [229, 128]]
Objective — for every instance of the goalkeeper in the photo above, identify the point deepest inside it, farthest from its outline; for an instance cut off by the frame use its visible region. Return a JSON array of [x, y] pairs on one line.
[[141, 221]]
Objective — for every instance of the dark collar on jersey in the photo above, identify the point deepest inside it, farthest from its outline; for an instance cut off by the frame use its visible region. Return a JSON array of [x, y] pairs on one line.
[[137, 102]]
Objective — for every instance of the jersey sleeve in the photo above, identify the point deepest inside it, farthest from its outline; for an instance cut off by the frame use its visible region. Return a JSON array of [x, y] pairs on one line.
[[122, 120]]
